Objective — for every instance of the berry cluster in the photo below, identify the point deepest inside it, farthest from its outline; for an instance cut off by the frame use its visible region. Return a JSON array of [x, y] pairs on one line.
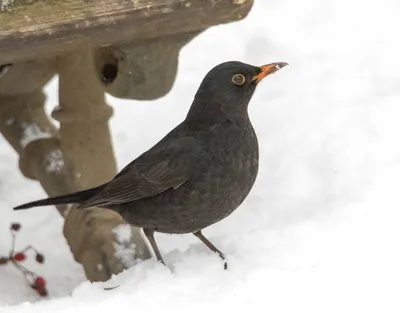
[[36, 282]]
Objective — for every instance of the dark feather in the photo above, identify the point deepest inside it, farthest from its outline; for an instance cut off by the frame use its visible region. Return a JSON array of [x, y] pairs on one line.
[[167, 166]]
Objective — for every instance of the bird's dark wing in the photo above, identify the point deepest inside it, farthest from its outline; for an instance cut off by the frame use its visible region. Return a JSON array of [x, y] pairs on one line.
[[163, 167]]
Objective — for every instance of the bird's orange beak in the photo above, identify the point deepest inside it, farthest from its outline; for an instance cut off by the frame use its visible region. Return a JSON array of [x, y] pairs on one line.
[[268, 69]]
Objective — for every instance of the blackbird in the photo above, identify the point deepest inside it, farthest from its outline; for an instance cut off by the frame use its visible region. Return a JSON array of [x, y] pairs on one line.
[[199, 173]]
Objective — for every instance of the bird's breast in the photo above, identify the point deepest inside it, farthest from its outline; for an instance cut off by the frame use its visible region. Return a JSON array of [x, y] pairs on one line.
[[231, 167]]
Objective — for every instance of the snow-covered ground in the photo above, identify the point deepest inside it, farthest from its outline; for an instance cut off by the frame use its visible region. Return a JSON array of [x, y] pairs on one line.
[[320, 230]]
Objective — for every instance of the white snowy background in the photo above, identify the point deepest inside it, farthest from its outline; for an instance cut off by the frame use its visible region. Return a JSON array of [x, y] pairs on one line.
[[320, 230]]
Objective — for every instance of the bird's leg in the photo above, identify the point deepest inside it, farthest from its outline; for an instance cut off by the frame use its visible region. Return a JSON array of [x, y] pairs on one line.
[[204, 240], [149, 232]]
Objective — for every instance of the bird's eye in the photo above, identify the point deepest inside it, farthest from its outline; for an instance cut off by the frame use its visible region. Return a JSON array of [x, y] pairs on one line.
[[238, 79]]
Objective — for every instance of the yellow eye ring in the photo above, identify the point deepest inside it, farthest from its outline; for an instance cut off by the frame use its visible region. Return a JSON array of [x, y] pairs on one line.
[[238, 79]]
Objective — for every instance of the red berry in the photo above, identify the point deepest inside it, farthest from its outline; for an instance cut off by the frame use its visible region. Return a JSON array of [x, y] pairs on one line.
[[40, 258], [19, 257], [15, 226], [4, 261], [40, 282]]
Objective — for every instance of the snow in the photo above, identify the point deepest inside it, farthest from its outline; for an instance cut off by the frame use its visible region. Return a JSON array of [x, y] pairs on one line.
[[54, 161], [32, 132], [5, 5], [124, 247], [319, 231]]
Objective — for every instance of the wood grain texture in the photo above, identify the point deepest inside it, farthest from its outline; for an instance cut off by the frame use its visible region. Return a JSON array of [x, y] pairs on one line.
[[29, 28]]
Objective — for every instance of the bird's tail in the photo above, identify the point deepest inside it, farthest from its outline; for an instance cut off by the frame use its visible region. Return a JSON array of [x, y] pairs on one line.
[[76, 197]]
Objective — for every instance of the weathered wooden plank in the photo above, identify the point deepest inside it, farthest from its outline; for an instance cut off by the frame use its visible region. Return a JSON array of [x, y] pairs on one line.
[[29, 28]]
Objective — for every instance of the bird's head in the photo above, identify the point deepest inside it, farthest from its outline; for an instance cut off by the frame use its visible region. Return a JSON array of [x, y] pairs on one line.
[[226, 90]]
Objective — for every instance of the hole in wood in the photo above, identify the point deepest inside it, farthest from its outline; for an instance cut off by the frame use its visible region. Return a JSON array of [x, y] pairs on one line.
[[109, 73], [4, 69]]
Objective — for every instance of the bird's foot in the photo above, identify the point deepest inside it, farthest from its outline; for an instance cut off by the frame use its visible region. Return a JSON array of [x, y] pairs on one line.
[[222, 256]]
